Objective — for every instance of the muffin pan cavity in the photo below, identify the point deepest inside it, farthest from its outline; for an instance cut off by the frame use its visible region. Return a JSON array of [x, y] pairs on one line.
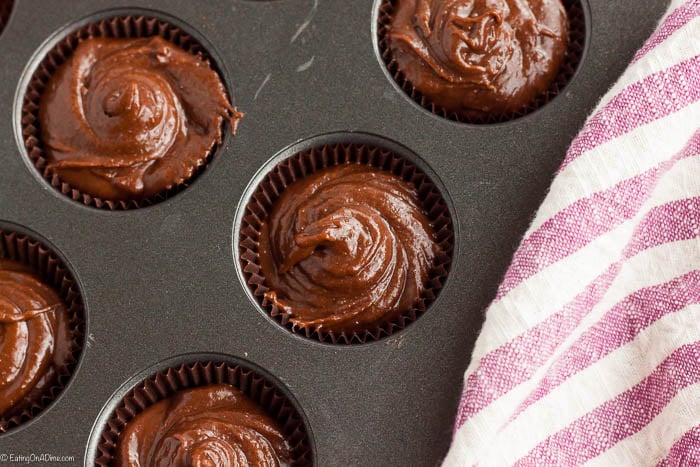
[[575, 11], [44, 263], [336, 150], [5, 11], [196, 371], [116, 25]]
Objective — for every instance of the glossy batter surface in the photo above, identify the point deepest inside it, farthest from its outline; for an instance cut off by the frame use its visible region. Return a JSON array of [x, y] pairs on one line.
[[479, 57], [346, 248], [126, 119], [34, 337], [214, 426]]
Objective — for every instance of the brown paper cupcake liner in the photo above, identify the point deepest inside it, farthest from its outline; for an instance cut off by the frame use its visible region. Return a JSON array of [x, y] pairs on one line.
[[307, 162], [166, 383], [115, 27], [5, 10], [52, 271], [574, 53]]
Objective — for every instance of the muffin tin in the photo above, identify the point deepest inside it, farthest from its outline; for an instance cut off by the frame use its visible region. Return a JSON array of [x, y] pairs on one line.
[[162, 285]]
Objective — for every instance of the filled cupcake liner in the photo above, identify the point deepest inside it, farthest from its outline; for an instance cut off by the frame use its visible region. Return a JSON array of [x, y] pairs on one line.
[[574, 53], [5, 10], [168, 382], [310, 161], [52, 271], [115, 27]]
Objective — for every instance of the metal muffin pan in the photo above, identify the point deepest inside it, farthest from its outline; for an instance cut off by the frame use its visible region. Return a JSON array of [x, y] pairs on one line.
[[161, 282]]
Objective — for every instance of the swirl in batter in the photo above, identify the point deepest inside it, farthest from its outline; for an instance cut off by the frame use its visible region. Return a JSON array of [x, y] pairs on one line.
[[479, 57], [346, 248], [34, 338], [126, 119], [207, 426]]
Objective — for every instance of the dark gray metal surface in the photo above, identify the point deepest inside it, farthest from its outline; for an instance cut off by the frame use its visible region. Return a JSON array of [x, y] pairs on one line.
[[161, 281]]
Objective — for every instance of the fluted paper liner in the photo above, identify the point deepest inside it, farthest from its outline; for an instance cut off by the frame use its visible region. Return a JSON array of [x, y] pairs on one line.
[[52, 271], [577, 38], [115, 27], [307, 162], [166, 383]]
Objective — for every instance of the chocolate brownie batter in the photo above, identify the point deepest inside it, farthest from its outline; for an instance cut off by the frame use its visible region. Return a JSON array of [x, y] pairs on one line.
[[35, 338], [126, 119], [212, 425], [346, 248], [479, 57]]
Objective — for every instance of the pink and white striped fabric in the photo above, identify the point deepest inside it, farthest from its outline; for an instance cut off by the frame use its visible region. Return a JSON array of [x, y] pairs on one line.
[[590, 353]]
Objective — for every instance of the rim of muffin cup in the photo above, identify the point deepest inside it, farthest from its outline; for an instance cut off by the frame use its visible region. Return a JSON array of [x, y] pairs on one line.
[[202, 370], [112, 25], [574, 54], [313, 159], [50, 268]]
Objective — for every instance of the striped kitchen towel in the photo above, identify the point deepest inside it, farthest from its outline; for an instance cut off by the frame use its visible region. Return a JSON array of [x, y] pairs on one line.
[[590, 352]]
